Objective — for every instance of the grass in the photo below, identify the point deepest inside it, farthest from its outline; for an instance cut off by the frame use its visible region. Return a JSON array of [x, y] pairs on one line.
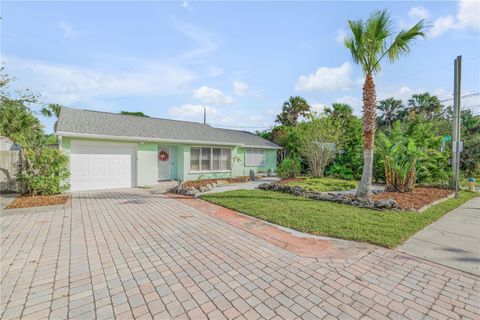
[[324, 184], [384, 228]]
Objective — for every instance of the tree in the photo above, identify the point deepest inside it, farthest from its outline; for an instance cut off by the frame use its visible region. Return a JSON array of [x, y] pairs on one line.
[[470, 156], [369, 43], [45, 170], [51, 110], [318, 143], [137, 113], [292, 109], [339, 110], [349, 161], [17, 121], [424, 103], [389, 111]]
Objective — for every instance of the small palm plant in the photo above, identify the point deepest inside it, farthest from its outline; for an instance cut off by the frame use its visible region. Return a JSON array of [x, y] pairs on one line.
[[399, 159]]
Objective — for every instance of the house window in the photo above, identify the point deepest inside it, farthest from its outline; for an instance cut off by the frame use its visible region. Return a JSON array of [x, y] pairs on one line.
[[195, 159], [255, 157], [210, 159], [206, 159]]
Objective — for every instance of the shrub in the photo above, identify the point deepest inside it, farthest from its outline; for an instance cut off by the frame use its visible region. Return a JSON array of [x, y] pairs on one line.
[[399, 160], [46, 172], [318, 143], [289, 168], [340, 171]]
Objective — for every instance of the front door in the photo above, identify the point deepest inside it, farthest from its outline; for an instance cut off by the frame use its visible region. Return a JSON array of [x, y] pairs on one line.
[[163, 163]]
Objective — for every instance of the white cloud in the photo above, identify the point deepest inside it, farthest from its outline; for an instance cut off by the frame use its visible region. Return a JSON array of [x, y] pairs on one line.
[[441, 25], [68, 84], [327, 79], [67, 29], [354, 102], [468, 14], [418, 13], [318, 107], [118, 76], [191, 112], [467, 18], [206, 42], [186, 5], [402, 93], [341, 35], [224, 118], [240, 88], [212, 95]]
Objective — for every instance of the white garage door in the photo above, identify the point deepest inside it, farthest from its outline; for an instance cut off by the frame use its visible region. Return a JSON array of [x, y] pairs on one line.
[[102, 165]]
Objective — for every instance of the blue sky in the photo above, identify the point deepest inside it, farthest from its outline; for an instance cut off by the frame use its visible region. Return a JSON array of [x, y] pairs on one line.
[[240, 59]]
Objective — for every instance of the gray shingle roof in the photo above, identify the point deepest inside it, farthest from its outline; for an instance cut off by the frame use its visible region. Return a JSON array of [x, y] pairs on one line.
[[81, 122]]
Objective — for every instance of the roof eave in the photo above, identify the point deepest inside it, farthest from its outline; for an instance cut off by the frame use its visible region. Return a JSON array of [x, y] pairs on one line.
[[146, 139]]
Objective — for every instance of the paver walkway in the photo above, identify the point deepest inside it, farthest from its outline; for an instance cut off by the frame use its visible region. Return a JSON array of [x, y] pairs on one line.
[[454, 240], [249, 185], [131, 253]]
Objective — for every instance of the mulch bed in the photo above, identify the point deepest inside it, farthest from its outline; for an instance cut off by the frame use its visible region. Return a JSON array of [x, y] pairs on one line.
[[416, 199], [37, 201], [204, 182]]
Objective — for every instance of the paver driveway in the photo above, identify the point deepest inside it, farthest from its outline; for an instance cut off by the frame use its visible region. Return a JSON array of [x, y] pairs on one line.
[[131, 254]]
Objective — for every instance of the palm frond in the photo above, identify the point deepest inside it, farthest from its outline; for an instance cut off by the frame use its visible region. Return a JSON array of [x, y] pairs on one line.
[[378, 29], [403, 41], [355, 42]]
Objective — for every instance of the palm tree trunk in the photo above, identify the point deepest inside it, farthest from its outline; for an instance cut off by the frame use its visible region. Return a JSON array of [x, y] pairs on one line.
[[364, 189]]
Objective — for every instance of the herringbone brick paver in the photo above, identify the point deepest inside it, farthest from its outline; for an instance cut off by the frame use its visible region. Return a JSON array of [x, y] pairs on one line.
[[132, 254]]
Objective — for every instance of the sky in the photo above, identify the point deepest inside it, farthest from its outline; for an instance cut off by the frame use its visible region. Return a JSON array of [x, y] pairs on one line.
[[241, 60]]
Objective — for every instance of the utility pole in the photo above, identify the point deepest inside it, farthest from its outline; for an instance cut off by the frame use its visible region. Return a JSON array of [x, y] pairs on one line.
[[204, 115], [456, 142]]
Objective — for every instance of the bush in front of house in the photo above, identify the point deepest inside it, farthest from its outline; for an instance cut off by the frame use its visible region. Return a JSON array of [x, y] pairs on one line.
[[289, 168], [46, 172]]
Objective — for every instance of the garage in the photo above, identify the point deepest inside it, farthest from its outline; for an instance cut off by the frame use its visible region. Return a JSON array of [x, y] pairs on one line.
[[102, 165]]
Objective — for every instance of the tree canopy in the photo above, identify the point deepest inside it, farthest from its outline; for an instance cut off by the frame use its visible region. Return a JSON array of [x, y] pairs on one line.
[[132, 113], [292, 109]]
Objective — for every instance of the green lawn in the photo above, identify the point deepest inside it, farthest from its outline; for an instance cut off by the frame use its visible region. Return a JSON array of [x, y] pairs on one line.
[[324, 184], [384, 228]]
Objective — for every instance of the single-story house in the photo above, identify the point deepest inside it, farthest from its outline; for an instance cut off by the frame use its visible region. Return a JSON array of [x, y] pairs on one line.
[[110, 150]]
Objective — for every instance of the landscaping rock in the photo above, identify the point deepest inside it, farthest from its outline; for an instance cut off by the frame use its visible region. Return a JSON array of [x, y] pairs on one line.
[[337, 197], [203, 189], [264, 186], [383, 204]]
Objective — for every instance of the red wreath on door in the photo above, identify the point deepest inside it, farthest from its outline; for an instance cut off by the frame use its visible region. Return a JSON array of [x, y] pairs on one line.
[[162, 156]]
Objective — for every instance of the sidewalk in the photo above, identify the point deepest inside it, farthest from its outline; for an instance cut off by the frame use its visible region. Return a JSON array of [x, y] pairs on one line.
[[454, 240]]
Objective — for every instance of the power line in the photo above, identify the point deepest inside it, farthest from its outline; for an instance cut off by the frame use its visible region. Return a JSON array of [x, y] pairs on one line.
[[464, 96], [428, 69]]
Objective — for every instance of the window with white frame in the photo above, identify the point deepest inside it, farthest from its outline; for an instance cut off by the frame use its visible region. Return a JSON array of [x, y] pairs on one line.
[[255, 157], [210, 159]]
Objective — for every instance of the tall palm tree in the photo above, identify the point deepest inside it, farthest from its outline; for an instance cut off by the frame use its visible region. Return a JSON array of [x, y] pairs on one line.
[[370, 41], [425, 103], [292, 109], [339, 110], [389, 111]]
